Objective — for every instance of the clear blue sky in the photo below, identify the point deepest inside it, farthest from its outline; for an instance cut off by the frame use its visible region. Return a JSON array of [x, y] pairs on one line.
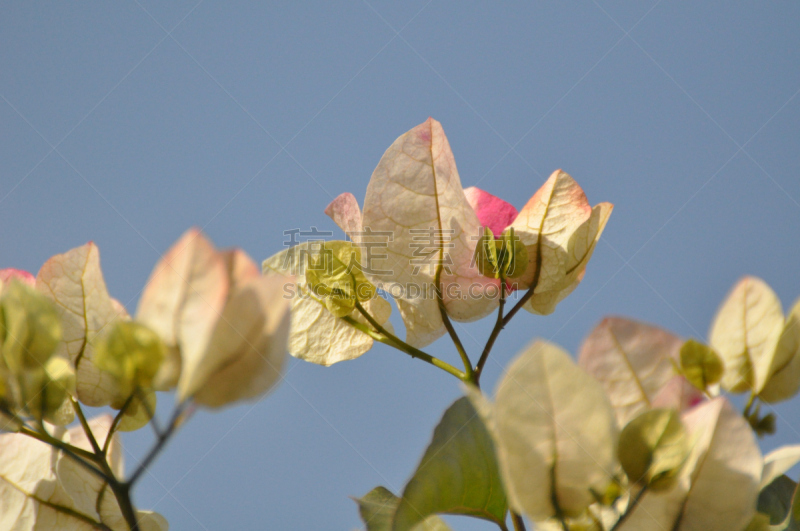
[[128, 122]]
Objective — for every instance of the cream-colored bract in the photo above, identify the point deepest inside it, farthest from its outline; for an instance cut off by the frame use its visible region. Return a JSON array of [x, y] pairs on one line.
[[42, 488], [633, 362], [183, 299], [425, 227], [560, 230], [227, 326], [718, 486], [556, 435], [745, 333], [784, 371], [778, 462], [75, 282], [247, 350], [315, 334]]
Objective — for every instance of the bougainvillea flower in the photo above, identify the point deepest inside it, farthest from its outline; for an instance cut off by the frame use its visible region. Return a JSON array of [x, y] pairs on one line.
[[419, 229], [226, 325]]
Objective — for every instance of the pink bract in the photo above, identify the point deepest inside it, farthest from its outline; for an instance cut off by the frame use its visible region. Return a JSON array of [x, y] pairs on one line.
[[492, 211]]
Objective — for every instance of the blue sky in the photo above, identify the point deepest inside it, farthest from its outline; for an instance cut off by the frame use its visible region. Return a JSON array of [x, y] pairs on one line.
[[126, 123]]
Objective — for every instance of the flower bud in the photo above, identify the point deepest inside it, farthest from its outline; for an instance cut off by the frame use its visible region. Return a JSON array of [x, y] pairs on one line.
[[29, 327], [653, 448], [132, 353]]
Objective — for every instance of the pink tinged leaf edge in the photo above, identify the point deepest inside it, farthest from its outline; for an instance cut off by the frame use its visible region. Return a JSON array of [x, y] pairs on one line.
[[345, 212], [23, 276]]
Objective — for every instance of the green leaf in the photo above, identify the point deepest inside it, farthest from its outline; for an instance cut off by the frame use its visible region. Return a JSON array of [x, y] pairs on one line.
[[700, 365], [776, 499], [653, 447], [377, 509], [458, 474]]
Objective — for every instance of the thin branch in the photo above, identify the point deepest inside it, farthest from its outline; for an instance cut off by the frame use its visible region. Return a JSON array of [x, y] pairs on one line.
[[386, 337], [115, 423], [498, 326], [86, 429], [630, 509], [79, 455], [450, 329], [516, 519], [150, 413], [177, 418]]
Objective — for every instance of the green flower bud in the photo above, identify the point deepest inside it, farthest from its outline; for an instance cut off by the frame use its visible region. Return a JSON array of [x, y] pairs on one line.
[[58, 386], [504, 257], [30, 329], [653, 448], [700, 365], [335, 276], [132, 353]]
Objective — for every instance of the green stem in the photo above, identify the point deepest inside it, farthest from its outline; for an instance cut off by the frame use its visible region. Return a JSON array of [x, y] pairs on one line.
[[516, 519], [86, 429], [115, 423], [629, 510], [384, 336], [80, 455], [140, 394], [121, 490], [749, 405], [528, 294], [498, 326], [451, 330]]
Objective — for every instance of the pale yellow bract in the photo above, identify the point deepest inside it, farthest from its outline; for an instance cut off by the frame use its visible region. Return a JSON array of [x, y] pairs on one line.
[[315, 334], [75, 283], [556, 435], [226, 325], [41, 488]]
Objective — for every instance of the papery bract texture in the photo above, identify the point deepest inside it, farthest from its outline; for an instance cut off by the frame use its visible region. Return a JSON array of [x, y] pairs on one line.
[[718, 486], [183, 299], [492, 211], [745, 332], [75, 282], [560, 230], [556, 434], [42, 488], [315, 334], [633, 362], [426, 232]]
